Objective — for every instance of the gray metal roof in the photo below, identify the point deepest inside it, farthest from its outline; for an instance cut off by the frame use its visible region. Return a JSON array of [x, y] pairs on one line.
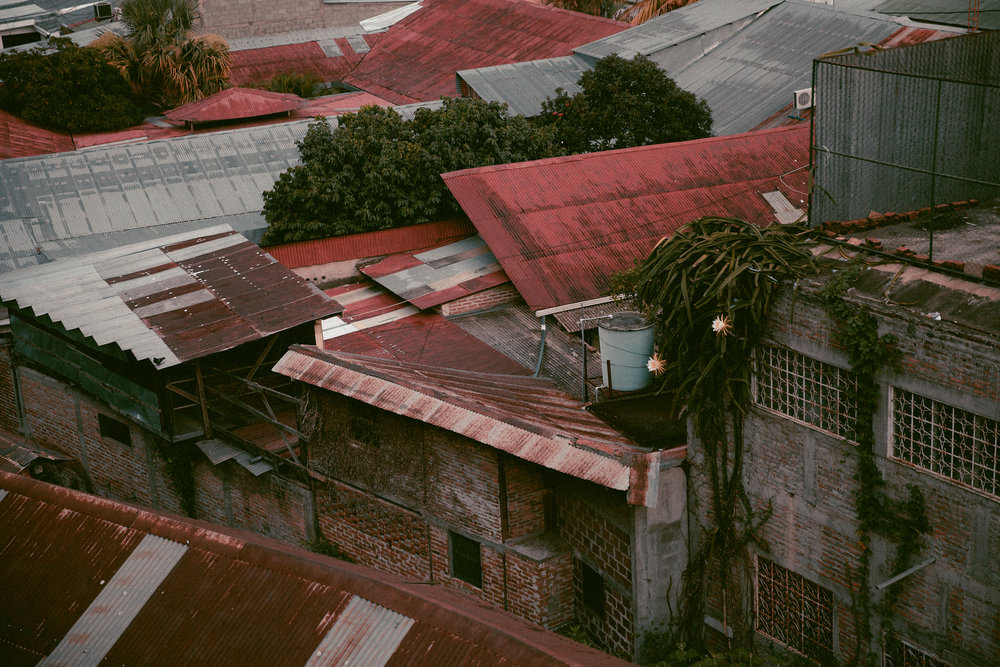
[[656, 35], [524, 86], [53, 202], [751, 76]]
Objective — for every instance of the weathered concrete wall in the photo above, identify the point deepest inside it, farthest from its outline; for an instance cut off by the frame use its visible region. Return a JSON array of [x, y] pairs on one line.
[[252, 18]]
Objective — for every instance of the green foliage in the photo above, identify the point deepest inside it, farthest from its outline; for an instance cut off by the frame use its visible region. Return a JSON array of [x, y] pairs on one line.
[[303, 85], [377, 170], [625, 103], [709, 288], [164, 61], [70, 88], [608, 9], [901, 522]]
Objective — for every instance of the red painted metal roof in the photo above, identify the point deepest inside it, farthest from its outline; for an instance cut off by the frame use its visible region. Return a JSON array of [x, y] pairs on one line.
[[255, 65], [170, 300], [437, 275], [369, 244], [527, 417], [560, 227], [417, 59], [375, 323], [335, 105], [908, 36], [21, 139], [235, 103], [90, 580]]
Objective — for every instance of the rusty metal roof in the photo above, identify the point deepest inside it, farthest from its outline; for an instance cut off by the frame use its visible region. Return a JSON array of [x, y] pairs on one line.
[[418, 57], [235, 103], [328, 53], [560, 227], [527, 417], [21, 139], [441, 274], [170, 300], [369, 244], [17, 453], [87, 580], [376, 323]]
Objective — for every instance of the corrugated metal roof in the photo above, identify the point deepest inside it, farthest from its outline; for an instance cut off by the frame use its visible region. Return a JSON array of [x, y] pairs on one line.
[[435, 276], [259, 58], [750, 76], [116, 606], [524, 86], [948, 12], [560, 227], [148, 184], [417, 58], [375, 323], [369, 244], [527, 417], [231, 597], [171, 300], [21, 139], [17, 453], [234, 103]]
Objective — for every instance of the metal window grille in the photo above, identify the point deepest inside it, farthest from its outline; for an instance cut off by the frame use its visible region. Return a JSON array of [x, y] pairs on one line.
[[898, 653], [810, 391], [466, 559], [946, 440], [794, 611]]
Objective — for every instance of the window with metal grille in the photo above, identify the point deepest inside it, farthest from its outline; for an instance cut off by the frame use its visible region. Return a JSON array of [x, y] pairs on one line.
[[949, 441], [807, 390], [592, 585], [794, 611], [899, 653], [466, 559], [114, 430]]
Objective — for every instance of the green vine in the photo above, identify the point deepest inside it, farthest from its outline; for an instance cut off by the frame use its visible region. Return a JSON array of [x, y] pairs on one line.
[[901, 522], [178, 462], [709, 289]]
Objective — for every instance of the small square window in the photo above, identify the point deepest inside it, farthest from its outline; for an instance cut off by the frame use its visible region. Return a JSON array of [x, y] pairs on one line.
[[592, 585], [466, 559], [362, 425], [114, 430]]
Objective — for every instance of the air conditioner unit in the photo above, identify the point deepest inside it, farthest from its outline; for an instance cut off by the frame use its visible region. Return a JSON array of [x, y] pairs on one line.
[[102, 10], [804, 98]]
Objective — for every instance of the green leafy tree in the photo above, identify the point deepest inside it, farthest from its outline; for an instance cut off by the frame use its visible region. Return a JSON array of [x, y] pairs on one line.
[[68, 88], [377, 170], [625, 103], [166, 63], [609, 9]]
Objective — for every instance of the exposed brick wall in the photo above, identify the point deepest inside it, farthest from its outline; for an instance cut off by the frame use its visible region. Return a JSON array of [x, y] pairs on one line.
[[250, 18], [806, 478], [540, 591], [8, 398], [526, 494], [490, 298]]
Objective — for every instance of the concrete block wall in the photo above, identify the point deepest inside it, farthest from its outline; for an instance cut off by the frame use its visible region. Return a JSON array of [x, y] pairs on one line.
[[251, 18], [951, 608]]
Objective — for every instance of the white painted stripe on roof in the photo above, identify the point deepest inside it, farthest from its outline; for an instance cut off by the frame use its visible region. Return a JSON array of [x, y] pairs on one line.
[[112, 611], [364, 634], [334, 327], [385, 318], [3, 494], [205, 248]]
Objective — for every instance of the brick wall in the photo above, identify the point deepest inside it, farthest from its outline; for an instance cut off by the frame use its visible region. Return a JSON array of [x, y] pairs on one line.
[[250, 18], [489, 298], [526, 498], [540, 591], [806, 477], [9, 419]]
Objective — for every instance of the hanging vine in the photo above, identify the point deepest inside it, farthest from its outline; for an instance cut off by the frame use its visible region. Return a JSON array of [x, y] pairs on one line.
[[709, 288], [901, 522]]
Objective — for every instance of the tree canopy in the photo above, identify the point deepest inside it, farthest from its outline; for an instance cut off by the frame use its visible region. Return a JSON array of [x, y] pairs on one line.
[[377, 170], [161, 57], [625, 103], [69, 88]]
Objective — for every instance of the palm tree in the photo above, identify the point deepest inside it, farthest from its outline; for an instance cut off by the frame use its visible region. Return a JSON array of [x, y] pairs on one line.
[[161, 57], [643, 10]]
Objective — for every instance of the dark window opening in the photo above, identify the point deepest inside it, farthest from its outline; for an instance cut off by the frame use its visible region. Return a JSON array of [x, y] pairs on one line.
[[593, 590], [362, 425], [115, 430], [466, 560]]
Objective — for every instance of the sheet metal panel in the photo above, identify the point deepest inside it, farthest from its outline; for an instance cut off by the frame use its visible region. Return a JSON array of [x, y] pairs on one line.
[[364, 634], [418, 57], [524, 86], [111, 612], [235, 103], [527, 417], [562, 227]]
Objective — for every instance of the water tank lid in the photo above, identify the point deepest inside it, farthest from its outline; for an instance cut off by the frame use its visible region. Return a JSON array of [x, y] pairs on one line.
[[626, 321]]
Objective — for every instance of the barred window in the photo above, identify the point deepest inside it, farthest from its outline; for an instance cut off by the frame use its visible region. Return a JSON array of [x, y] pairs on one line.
[[805, 389], [466, 559], [794, 611], [898, 653], [946, 440]]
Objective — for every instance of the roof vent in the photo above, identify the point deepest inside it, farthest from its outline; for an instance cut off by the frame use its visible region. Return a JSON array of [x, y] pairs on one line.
[[102, 10], [804, 98]]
